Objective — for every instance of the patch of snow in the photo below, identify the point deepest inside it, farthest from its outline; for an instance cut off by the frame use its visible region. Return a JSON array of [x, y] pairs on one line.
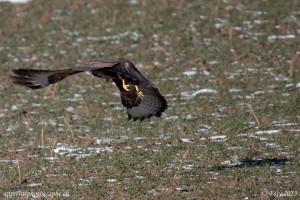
[[213, 62], [206, 73], [281, 37], [187, 140], [51, 158], [36, 104], [201, 91], [271, 144], [234, 90], [268, 132], [15, 1], [260, 21], [290, 85], [190, 73], [111, 180], [12, 127], [34, 184], [63, 149], [8, 161], [14, 107], [188, 167], [217, 137], [69, 109], [174, 117], [294, 130], [259, 92], [103, 140]]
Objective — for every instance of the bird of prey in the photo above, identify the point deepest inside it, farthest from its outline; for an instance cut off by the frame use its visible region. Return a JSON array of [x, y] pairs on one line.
[[141, 97]]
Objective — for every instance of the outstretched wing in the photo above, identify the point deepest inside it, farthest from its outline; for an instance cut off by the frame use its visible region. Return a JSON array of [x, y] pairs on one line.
[[141, 97], [36, 79]]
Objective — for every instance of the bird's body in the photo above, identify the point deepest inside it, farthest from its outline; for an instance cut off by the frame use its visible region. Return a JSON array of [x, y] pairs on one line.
[[141, 97]]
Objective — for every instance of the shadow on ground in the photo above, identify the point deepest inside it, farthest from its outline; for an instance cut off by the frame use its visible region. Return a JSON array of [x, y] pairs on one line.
[[250, 162]]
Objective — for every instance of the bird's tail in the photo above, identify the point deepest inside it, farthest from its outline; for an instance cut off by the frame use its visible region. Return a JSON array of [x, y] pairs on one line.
[[36, 79]]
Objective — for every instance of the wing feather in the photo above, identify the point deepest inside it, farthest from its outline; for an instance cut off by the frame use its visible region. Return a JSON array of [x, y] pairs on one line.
[[105, 63], [152, 104]]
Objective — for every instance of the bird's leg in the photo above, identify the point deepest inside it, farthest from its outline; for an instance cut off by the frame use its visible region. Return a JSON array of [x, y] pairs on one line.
[[139, 93], [125, 86]]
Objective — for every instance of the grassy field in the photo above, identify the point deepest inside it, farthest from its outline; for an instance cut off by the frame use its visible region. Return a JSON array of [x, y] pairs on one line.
[[230, 71]]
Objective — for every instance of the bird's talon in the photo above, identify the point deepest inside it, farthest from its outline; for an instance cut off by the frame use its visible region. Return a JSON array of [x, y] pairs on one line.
[[125, 86], [139, 93]]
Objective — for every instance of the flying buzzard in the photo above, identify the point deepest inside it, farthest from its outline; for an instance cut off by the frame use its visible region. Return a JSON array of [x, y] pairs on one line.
[[141, 97]]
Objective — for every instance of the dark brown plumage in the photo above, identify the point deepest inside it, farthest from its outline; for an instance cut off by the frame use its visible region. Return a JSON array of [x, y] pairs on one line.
[[141, 97]]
